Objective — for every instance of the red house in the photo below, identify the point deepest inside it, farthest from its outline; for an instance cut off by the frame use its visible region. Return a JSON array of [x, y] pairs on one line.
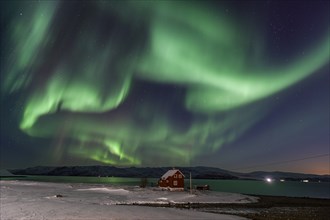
[[172, 180]]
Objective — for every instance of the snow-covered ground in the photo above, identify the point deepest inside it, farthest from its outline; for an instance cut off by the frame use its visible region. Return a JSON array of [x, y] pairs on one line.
[[38, 200]]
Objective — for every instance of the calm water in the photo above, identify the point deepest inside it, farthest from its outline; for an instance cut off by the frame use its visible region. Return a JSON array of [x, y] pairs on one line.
[[296, 189]]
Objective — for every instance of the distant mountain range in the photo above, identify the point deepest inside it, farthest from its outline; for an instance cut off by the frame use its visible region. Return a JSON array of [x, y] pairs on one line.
[[156, 172], [6, 173]]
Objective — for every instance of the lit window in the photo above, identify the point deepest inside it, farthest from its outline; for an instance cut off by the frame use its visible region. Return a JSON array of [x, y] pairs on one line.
[[180, 176], [175, 183]]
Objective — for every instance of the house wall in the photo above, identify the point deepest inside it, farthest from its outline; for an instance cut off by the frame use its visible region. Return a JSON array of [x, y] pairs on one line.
[[169, 182]]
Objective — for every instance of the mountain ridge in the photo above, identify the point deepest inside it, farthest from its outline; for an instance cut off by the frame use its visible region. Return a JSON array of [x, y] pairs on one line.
[[199, 172]]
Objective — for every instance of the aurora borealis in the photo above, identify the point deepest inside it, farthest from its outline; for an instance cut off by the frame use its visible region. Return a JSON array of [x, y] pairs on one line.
[[228, 84]]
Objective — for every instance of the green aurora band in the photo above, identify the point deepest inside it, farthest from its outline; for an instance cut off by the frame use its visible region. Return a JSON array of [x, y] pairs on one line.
[[75, 95]]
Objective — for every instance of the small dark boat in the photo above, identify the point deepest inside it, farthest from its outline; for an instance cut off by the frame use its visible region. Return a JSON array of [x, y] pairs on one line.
[[203, 187]]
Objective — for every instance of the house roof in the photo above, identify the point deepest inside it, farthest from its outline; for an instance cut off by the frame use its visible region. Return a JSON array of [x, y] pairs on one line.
[[171, 173]]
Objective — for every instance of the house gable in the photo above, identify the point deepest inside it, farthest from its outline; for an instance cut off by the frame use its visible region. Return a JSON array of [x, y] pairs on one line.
[[171, 173]]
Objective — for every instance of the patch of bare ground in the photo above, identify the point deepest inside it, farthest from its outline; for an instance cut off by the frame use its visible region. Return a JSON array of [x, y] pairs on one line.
[[267, 207], [277, 208]]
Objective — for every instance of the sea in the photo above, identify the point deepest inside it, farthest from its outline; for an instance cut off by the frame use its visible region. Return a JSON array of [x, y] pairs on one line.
[[251, 187]]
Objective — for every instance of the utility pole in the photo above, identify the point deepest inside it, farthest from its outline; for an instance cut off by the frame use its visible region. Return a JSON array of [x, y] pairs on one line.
[[190, 184]]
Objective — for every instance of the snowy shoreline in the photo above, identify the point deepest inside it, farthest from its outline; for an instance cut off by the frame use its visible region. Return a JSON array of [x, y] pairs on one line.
[[40, 200]]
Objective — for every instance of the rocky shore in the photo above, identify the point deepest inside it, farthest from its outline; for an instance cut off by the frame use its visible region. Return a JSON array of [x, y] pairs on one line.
[[267, 207], [277, 207]]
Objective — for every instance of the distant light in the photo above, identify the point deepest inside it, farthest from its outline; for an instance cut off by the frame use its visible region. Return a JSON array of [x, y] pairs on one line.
[[282, 180], [305, 181], [269, 180]]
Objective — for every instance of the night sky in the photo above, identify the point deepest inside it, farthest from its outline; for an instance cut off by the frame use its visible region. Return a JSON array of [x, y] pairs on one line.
[[239, 85]]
